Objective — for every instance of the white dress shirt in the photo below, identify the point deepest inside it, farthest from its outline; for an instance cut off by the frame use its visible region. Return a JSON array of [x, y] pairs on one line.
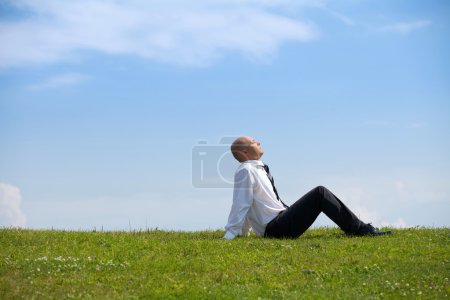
[[254, 201]]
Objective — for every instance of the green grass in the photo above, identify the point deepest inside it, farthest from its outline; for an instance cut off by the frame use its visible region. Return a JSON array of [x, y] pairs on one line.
[[323, 263]]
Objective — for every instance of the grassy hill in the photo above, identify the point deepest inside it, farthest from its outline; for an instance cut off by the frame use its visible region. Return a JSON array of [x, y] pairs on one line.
[[323, 263]]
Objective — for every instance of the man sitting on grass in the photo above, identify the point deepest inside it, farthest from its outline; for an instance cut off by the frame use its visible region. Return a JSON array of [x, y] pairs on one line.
[[256, 203]]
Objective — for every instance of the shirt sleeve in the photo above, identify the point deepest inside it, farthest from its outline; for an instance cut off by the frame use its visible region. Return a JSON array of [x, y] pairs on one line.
[[242, 201]]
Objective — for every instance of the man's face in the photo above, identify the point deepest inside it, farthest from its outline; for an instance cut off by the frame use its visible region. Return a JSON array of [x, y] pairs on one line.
[[254, 149]]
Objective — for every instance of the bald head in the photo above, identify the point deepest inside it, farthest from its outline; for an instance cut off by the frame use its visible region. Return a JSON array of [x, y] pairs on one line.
[[246, 148]]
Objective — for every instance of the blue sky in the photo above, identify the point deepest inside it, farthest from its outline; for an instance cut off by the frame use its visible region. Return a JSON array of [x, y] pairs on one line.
[[103, 103]]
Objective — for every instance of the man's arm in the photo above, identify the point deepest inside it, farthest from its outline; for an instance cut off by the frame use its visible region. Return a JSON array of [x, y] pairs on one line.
[[242, 201]]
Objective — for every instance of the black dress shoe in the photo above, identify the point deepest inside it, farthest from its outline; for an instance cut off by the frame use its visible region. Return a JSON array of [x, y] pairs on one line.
[[369, 230]]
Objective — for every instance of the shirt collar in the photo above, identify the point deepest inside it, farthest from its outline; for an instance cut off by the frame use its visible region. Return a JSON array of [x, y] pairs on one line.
[[254, 162]]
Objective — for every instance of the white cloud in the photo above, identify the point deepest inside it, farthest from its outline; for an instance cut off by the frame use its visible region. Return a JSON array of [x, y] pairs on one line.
[[10, 212], [190, 209], [406, 27], [337, 15], [417, 125], [342, 18], [399, 223], [62, 80], [428, 188], [178, 32], [400, 187], [394, 198]]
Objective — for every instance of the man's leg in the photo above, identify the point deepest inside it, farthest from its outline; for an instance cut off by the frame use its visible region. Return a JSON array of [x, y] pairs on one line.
[[300, 216]]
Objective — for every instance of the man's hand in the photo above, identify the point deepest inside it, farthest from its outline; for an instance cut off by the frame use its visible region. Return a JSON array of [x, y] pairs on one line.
[[229, 236]]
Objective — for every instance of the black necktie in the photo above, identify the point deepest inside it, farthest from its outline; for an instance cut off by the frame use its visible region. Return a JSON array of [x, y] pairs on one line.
[[272, 181]]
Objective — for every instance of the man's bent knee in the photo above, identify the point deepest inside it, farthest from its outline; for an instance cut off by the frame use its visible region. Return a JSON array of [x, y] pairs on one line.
[[320, 189]]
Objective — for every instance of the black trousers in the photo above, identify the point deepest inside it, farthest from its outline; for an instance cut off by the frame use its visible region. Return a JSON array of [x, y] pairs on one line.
[[296, 219]]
